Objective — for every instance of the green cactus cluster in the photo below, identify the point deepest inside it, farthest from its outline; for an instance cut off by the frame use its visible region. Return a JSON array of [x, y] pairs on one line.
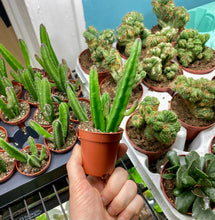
[[169, 15], [194, 183], [191, 47], [199, 95], [132, 27], [158, 63], [159, 126], [32, 159], [60, 127]]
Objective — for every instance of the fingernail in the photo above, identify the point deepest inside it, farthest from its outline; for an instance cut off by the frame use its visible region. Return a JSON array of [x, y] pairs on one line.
[[121, 218], [111, 211], [104, 201]]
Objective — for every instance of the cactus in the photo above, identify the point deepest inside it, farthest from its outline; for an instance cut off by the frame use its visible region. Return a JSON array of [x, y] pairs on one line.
[[132, 27], [199, 95], [32, 159], [194, 183], [3, 165], [191, 47], [60, 127], [158, 63], [158, 126], [169, 15]]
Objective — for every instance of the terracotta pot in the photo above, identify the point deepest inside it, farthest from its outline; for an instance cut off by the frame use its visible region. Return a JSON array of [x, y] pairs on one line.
[[78, 94], [212, 144], [192, 131], [6, 134], [29, 102], [152, 155], [99, 151], [61, 151], [85, 100], [20, 122], [129, 105], [161, 89], [10, 173], [39, 70], [101, 75], [19, 94], [39, 147]]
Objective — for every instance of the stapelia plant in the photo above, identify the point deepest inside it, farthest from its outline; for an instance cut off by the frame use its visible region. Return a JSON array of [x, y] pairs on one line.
[[32, 159], [105, 118], [57, 71], [161, 126], [158, 63], [169, 15], [198, 94], [132, 27], [191, 47], [194, 183], [60, 127], [3, 165]]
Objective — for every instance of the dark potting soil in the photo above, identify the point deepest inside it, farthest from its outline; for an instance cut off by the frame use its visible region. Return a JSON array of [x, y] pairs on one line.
[[88, 126], [161, 84], [202, 64], [10, 163], [179, 107], [109, 86], [69, 141], [86, 108], [86, 61], [140, 140], [26, 168]]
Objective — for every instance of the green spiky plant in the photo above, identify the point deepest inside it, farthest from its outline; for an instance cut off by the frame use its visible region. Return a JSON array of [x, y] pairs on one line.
[[32, 159], [194, 183], [132, 27], [3, 165], [60, 127], [107, 118], [191, 47], [158, 126], [169, 15], [158, 63], [198, 94]]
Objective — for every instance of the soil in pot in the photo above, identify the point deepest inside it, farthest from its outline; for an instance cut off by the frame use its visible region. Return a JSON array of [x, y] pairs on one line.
[[179, 107], [17, 89], [70, 141], [109, 86], [30, 100], [3, 134], [10, 167]]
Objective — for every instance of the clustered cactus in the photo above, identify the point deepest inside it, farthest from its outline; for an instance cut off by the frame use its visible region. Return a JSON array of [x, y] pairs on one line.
[[158, 126], [132, 27], [158, 63], [194, 183], [32, 159], [169, 15], [199, 95], [191, 47]]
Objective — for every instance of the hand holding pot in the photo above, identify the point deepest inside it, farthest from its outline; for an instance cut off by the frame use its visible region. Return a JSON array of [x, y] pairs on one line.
[[96, 198]]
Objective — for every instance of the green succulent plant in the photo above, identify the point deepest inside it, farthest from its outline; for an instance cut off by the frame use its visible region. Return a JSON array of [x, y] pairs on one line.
[[60, 127], [191, 47], [3, 165], [194, 183], [132, 27], [169, 15], [158, 126], [198, 94], [32, 159]]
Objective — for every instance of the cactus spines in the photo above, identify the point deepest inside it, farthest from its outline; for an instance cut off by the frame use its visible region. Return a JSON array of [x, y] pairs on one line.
[[199, 95], [191, 47]]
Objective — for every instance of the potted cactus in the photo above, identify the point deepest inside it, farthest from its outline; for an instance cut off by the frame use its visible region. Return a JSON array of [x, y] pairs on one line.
[[194, 103], [193, 55], [32, 160], [132, 27], [15, 111], [61, 137], [159, 67], [150, 131], [169, 15], [187, 181]]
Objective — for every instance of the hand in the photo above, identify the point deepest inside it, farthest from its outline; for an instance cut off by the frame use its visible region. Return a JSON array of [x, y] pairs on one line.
[[93, 198]]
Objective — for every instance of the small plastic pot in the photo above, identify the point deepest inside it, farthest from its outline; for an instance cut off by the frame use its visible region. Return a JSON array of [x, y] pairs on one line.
[[39, 147], [6, 134], [61, 151], [99, 151]]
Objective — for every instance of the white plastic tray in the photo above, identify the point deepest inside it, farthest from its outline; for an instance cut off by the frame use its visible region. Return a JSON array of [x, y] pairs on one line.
[[200, 144]]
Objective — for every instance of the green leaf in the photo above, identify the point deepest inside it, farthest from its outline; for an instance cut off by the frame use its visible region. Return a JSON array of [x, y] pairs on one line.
[[210, 192], [173, 158], [187, 180], [200, 173], [179, 174], [191, 157], [168, 176], [198, 192]]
